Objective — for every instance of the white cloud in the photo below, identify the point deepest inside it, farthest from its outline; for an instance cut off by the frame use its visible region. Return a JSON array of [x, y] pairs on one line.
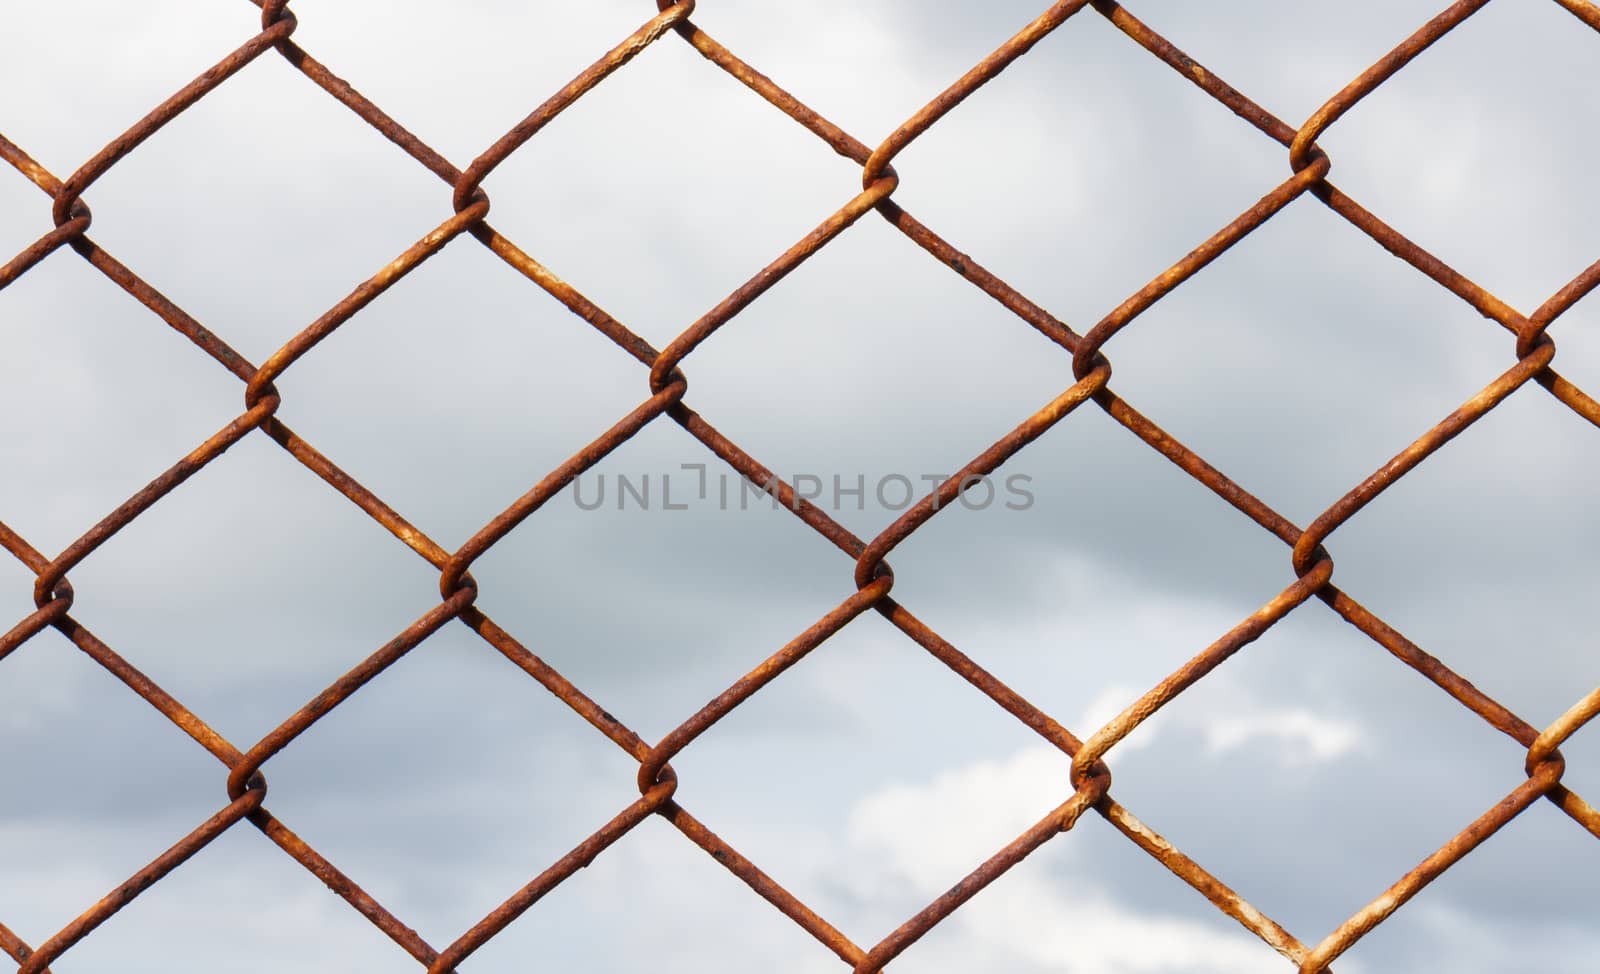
[[922, 837], [1229, 717], [1302, 735], [1063, 929], [1035, 919], [980, 806]]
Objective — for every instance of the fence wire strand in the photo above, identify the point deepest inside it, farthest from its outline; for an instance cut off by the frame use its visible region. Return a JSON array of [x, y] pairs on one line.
[[1088, 789]]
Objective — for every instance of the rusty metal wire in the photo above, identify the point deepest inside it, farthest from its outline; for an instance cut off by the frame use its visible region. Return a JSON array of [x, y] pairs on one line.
[[1089, 787]]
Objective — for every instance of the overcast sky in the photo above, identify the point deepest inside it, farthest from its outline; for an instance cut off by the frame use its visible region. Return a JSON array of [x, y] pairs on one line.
[[1309, 772]]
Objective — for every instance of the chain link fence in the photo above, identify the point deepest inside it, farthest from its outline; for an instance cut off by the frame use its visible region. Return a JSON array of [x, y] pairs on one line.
[[1089, 789]]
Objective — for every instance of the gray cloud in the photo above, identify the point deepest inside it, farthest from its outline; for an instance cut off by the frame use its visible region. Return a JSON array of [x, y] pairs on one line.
[[1298, 363]]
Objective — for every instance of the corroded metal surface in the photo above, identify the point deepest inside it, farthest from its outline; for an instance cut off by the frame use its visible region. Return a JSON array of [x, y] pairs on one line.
[[665, 388]]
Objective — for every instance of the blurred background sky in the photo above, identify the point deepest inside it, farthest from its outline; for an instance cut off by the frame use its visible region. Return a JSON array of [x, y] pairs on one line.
[[1309, 772]]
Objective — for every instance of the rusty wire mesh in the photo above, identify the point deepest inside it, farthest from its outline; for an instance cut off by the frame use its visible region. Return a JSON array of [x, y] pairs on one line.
[[1089, 787]]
